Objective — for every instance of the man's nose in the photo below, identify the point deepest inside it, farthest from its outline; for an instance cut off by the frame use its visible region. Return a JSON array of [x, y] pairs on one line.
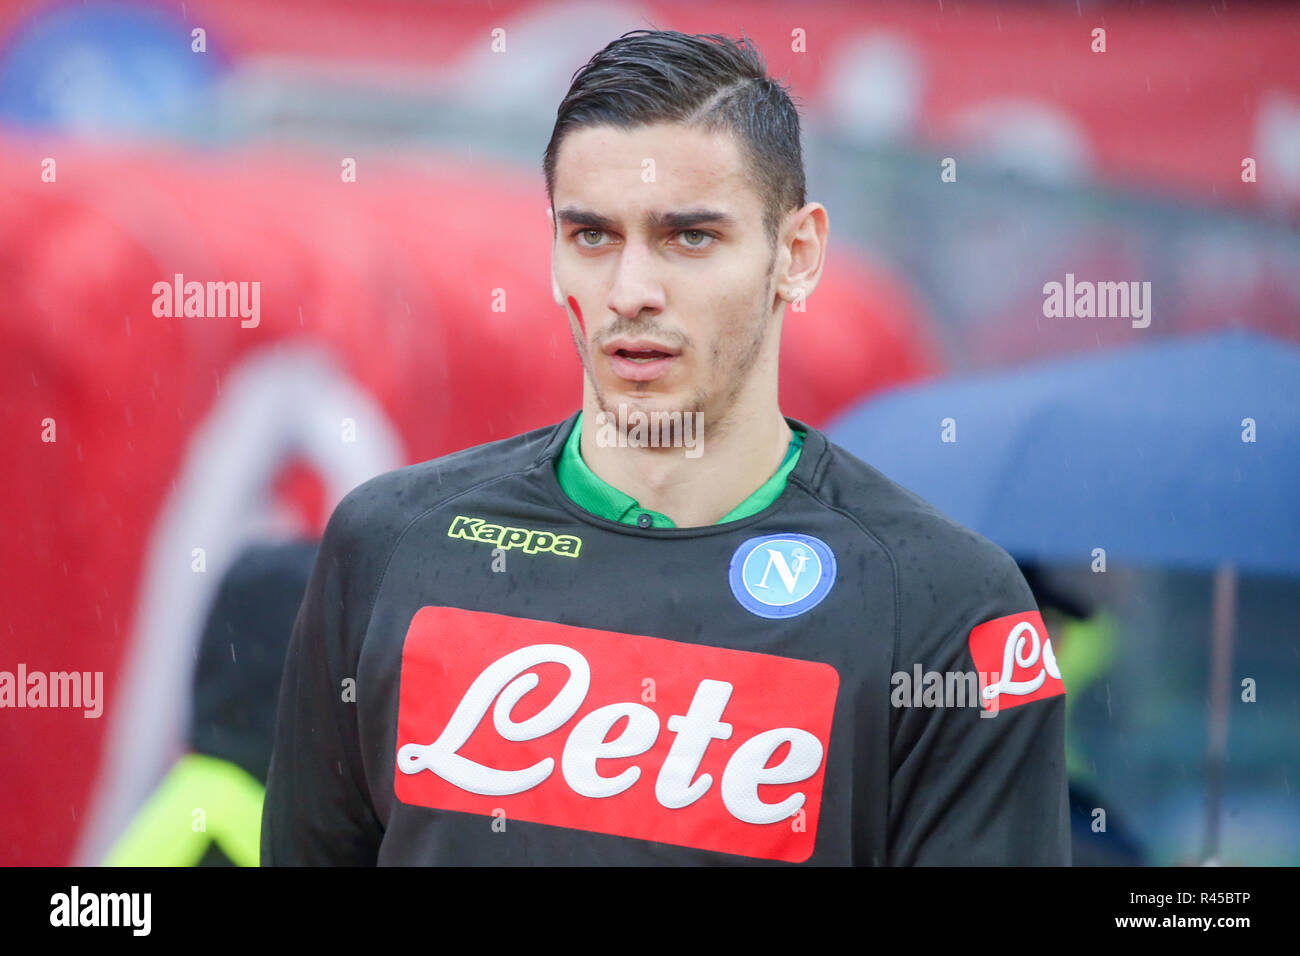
[[637, 285]]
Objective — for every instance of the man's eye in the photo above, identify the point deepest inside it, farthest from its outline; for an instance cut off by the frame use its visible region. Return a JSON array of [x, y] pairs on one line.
[[696, 238], [594, 234]]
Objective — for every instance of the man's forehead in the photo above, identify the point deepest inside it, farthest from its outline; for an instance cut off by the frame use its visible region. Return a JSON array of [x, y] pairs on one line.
[[653, 169]]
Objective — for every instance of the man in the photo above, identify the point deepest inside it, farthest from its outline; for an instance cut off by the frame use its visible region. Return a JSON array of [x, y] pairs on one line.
[[591, 645]]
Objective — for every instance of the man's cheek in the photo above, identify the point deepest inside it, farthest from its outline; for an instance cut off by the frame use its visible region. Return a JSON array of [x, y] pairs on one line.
[[577, 312]]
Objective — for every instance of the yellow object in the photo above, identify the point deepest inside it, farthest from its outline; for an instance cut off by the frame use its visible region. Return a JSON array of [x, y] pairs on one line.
[[202, 800], [1087, 650]]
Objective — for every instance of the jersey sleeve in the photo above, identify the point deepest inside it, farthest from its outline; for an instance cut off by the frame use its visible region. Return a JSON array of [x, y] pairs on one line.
[[983, 782], [318, 809]]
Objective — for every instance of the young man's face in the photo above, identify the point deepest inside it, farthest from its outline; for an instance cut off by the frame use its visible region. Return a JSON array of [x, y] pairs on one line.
[[668, 282]]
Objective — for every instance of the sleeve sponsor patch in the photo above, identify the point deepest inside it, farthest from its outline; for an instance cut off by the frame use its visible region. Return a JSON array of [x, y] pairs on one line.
[[1014, 659]]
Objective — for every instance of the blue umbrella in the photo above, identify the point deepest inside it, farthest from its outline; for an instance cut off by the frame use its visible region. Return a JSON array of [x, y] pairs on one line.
[[1184, 453], [1144, 452]]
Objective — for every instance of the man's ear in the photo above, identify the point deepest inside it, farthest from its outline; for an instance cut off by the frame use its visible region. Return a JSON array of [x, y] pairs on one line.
[[556, 294]]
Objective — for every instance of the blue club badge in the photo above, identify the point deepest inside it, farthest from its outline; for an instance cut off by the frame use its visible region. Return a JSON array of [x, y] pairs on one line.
[[782, 575]]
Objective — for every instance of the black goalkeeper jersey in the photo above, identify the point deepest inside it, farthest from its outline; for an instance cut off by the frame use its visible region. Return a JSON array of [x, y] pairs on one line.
[[482, 672]]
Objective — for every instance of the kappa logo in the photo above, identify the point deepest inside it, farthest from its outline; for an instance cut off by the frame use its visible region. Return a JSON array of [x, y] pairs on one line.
[[610, 732], [477, 529], [782, 575]]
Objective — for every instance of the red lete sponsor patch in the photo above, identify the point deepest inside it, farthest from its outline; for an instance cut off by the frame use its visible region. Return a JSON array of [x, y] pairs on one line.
[[1014, 658], [614, 733]]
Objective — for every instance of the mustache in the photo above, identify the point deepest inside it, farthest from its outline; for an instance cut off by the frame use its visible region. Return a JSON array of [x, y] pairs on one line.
[[634, 328]]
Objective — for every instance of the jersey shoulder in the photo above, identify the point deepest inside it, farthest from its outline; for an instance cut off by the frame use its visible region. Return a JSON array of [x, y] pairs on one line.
[[904, 523], [379, 510], [948, 578]]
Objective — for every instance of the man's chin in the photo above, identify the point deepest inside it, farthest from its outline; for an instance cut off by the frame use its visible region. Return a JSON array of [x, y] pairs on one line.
[[625, 402]]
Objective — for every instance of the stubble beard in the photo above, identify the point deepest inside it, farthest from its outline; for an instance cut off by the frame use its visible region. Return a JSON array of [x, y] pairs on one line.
[[719, 411], [724, 419]]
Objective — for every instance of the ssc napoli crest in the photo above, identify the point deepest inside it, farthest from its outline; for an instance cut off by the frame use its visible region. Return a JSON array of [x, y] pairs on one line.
[[782, 575]]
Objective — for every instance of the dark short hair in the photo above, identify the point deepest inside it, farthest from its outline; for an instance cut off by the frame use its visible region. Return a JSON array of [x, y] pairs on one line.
[[707, 80]]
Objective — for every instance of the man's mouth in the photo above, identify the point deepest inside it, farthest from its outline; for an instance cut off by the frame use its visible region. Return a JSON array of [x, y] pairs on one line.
[[641, 355], [639, 361]]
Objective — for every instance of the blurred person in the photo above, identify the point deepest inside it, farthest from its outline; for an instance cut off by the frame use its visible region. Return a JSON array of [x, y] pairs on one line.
[[665, 630], [208, 809], [1085, 651]]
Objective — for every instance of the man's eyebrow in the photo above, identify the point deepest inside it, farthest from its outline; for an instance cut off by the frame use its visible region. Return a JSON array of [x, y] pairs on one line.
[[683, 219], [585, 218], [690, 218]]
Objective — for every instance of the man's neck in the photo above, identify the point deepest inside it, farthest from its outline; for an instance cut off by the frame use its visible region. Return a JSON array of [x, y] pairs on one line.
[[735, 463]]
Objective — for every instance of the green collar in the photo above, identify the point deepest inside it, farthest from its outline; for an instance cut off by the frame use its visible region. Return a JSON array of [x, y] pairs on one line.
[[593, 494]]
